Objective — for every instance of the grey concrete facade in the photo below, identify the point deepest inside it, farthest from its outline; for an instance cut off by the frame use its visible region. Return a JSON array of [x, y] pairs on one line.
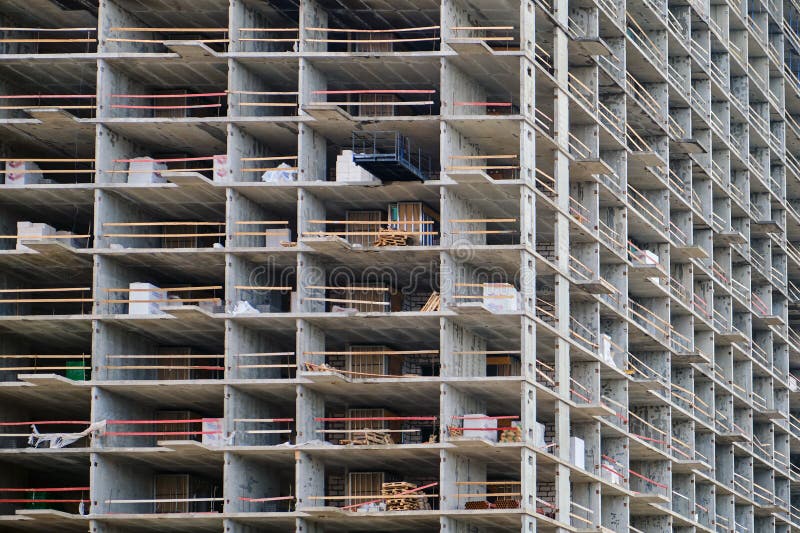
[[598, 265]]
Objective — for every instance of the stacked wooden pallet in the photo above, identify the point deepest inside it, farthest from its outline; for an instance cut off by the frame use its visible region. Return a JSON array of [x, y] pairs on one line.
[[433, 303], [406, 502], [368, 437], [387, 237]]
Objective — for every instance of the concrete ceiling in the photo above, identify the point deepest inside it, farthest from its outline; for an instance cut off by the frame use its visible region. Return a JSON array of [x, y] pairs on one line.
[[164, 73], [63, 136], [396, 72], [53, 330], [194, 136], [382, 13], [56, 76], [179, 13], [171, 331], [205, 398], [184, 264], [48, 13]]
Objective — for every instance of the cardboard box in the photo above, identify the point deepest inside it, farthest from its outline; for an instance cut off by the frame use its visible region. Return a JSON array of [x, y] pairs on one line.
[[145, 170], [478, 426]]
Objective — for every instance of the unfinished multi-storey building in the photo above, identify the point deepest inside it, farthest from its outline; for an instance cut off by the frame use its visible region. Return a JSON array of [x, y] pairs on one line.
[[423, 265]]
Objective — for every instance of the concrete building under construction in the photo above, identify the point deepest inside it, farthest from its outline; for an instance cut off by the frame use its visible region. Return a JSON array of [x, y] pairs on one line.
[[334, 266]]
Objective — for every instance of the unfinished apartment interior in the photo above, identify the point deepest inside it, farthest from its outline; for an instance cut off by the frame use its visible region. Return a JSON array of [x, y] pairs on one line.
[[424, 265]]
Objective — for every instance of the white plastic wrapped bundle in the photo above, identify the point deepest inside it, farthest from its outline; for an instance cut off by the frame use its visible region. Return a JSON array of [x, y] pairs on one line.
[[145, 299], [282, 173]]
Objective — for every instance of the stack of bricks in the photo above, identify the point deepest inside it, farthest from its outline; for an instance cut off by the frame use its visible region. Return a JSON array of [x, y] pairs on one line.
[[550, 374], [550, 435], [546, 492], [335, 437], [546, 250], [335, 485]]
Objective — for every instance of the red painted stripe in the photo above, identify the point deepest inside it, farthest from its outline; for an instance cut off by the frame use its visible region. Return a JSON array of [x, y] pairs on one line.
[[184, 421], [48, 489], [267, 420], [157, 433], [45, 422], [118, 106], [37, 500], [12, 96], [511, 417]]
